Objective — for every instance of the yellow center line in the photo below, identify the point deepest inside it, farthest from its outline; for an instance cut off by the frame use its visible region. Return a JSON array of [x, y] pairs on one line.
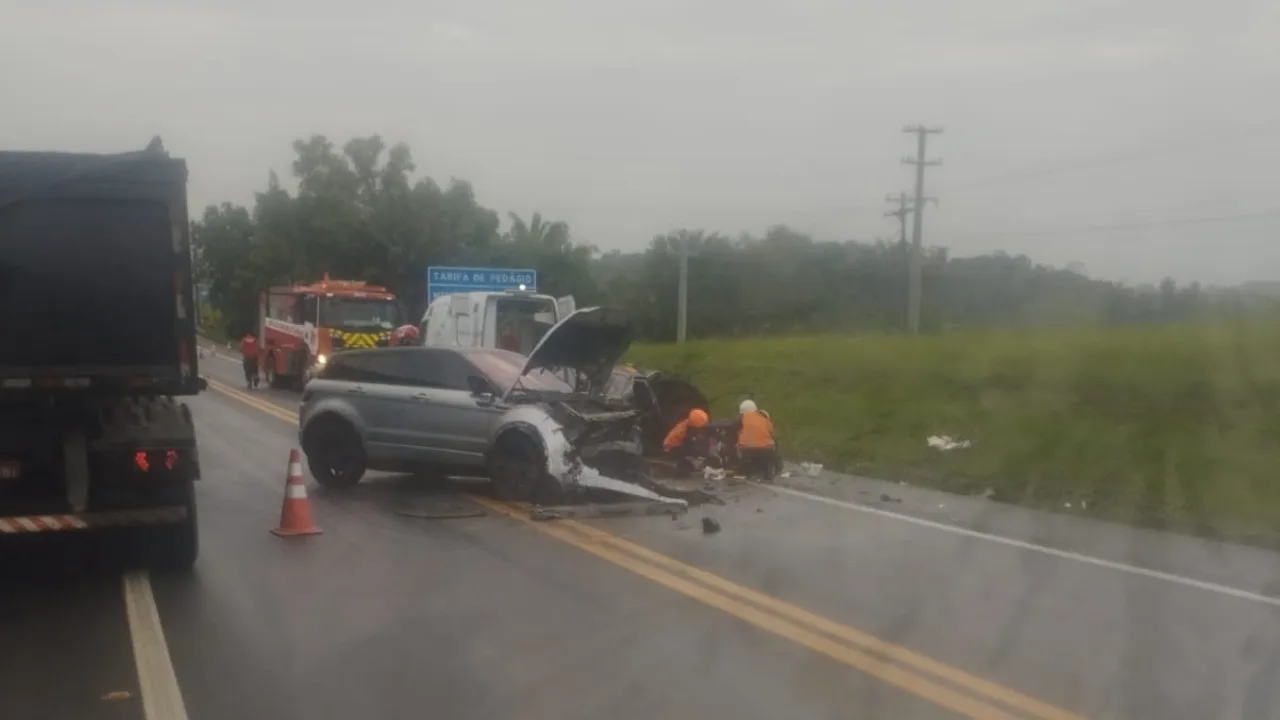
[[865, 641], [889, 673], [871, 655], [258, 403]]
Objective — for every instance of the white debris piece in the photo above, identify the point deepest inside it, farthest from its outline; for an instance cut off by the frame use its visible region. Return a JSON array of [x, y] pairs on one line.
[[812, 469], [710, 473], [946, 442], [592, 478]]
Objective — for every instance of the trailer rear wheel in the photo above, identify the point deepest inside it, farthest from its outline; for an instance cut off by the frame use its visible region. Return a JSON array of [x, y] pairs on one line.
[[174, 548]]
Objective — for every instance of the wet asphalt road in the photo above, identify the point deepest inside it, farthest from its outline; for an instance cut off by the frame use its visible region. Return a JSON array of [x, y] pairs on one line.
[[798, 608]]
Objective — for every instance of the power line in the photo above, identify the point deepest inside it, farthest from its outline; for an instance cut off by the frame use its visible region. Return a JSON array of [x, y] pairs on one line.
[[1172, 222], [1119, 158]]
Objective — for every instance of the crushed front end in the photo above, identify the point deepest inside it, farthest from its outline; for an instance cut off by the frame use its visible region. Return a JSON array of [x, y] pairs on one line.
[[585, 446]]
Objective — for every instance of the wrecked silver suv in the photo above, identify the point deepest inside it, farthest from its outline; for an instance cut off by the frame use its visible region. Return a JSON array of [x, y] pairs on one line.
[[552, 443], [543, 427]]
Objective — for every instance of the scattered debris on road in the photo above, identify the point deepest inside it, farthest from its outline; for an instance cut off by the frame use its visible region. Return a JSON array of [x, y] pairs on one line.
[[710, 525]]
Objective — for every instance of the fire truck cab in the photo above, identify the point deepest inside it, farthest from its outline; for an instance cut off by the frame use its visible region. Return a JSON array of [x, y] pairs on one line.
[[301, 326]]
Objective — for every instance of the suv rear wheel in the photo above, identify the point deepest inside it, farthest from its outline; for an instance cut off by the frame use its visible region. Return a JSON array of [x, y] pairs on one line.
[[335, 453]]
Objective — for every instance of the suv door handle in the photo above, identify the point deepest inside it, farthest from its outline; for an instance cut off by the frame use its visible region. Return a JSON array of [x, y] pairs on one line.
[[421, 397], [356, 390]]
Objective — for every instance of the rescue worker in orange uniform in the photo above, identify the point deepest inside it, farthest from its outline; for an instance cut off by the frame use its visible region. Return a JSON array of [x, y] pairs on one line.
[[679, 441], [249, 351], [757, 450]]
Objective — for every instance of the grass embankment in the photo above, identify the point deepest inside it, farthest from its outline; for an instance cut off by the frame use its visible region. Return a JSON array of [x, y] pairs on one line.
[[1166, 426]]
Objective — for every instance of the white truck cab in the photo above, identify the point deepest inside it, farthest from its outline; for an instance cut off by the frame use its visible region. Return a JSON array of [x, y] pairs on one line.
[[510, 320]]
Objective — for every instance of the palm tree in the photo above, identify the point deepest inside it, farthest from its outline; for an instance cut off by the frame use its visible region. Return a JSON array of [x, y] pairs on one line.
[[545, 235]]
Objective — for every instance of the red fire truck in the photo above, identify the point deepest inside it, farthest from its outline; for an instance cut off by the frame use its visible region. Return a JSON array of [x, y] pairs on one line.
[[301, 326]]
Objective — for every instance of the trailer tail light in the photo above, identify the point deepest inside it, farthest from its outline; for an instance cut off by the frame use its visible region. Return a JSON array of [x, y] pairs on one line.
[[154, 461]]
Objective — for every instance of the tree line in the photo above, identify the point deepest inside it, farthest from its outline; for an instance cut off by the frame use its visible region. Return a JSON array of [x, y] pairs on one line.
[[360, 213]]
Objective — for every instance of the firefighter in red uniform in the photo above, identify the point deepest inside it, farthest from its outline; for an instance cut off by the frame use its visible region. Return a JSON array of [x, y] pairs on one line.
[[249, 351], [406, 335]]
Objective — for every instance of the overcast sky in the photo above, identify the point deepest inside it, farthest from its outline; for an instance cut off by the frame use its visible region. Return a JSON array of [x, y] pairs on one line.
[[630, 118]]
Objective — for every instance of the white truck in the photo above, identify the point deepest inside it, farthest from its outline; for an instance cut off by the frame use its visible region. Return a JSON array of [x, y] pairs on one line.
[[509, 320]]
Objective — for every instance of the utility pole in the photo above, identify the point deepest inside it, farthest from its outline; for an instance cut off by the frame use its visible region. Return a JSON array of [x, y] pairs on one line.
[[921, 162], [901, 213], [682, 302]]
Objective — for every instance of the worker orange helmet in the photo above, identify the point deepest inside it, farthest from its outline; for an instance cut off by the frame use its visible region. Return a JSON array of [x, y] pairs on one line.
[[698, 418]]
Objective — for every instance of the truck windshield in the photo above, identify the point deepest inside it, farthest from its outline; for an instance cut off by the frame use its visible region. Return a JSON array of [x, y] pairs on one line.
[[358, 313], [87, 283], [521, 322]]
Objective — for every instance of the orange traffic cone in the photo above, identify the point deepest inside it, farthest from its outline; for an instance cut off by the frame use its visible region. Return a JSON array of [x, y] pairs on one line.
[[295, 515]]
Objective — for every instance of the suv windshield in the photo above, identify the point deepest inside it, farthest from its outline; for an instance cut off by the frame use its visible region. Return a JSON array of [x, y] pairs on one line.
[[358, 313], [503, 367]]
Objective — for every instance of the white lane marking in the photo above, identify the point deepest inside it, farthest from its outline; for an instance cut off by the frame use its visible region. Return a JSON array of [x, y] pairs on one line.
[[157, 682], [1064, 554]]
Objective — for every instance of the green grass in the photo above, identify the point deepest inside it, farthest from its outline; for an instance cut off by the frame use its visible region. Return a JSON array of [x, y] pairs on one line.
[[1167, 426]]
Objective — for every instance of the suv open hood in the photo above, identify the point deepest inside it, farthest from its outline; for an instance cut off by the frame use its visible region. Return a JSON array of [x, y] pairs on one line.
[[590, 341]]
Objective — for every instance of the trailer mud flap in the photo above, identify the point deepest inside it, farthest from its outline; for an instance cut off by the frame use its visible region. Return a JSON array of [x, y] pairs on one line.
[[21, 524]]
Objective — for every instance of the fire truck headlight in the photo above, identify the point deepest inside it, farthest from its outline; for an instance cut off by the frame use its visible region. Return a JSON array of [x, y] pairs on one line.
[[321, 359]]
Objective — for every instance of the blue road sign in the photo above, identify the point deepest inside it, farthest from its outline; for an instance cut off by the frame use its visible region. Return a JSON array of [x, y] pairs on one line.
[[447, 280]]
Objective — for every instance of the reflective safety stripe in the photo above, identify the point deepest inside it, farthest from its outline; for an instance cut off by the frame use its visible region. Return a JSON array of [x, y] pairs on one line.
[[87, 521], [295, 469], [296, 492], [26, 383]]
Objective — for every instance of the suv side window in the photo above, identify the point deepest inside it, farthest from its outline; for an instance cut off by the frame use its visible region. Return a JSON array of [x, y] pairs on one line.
[[431, 368], [391, 367], [411, 366], [349, 368], [453, 370], [339, 368]]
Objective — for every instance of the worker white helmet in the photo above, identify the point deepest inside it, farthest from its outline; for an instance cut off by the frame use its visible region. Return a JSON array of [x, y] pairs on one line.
[[746, 406]]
